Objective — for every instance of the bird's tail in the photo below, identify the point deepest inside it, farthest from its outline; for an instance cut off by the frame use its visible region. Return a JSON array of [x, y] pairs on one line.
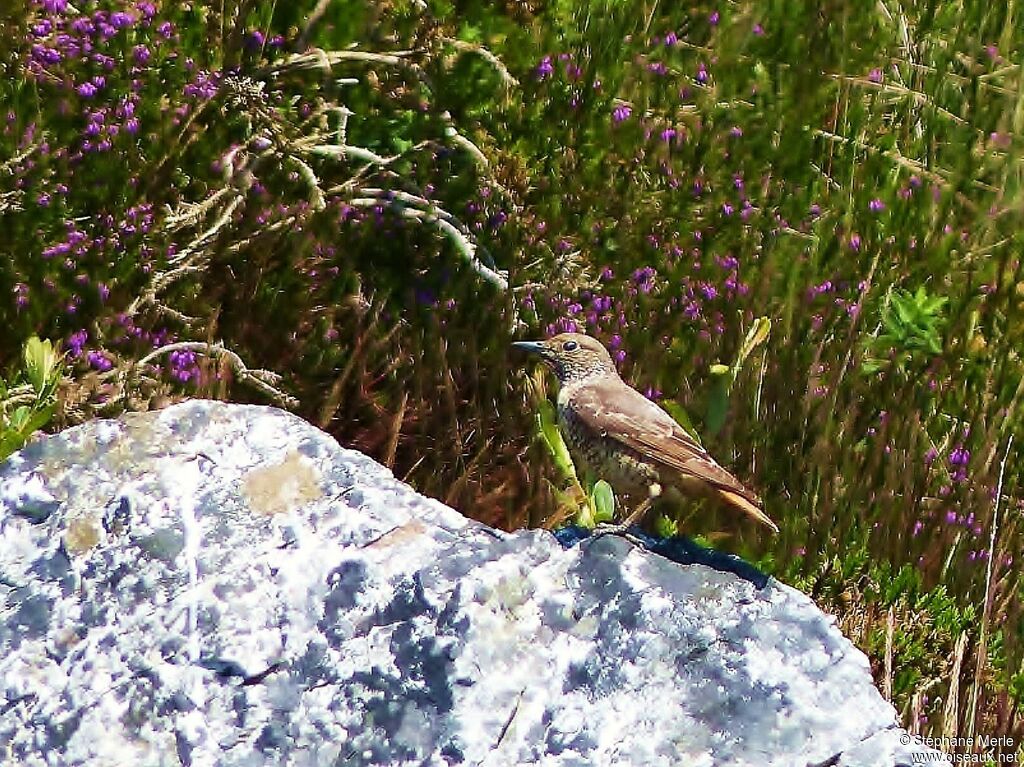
[[741, 503]]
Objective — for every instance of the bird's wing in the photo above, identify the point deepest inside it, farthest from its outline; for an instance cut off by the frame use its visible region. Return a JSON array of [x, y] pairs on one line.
[[617, 411]]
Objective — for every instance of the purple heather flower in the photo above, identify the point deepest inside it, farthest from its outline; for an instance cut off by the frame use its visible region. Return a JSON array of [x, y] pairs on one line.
[[758, 30], [86, 90], [76, 341], [99, 361], [702, 73], [545, 68], [621, 113], [875, 75], [644, 274], [120, 20], [671, 39], [876, 206], [727, 209], [55, 6], [959, 457], [183, 365], [714, 18], [855, 242], [44, 55], [20, 295]]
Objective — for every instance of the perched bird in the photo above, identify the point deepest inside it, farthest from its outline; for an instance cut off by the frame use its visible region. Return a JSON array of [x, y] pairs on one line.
[[624, 438]]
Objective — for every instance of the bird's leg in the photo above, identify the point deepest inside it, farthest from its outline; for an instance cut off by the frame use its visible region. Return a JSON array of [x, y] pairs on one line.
[[638, 513], [636, 516]]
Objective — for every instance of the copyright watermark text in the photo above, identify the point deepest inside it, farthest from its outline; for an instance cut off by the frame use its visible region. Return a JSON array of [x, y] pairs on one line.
[[980, 749]]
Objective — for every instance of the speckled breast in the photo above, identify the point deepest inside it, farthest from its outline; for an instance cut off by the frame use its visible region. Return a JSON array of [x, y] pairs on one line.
[[605, 458]]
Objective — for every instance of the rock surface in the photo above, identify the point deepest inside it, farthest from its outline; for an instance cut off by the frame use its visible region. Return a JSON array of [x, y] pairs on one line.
[[221, 584]]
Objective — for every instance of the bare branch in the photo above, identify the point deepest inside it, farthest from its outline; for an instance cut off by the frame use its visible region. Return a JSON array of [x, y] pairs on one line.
[[263, 380], [462, 243], [486, 55]]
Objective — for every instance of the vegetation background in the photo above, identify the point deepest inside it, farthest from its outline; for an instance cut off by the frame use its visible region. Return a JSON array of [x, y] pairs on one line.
[[350, 209]]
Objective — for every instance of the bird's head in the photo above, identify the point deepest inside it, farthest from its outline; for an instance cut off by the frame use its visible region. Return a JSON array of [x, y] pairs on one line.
[[572, 356]]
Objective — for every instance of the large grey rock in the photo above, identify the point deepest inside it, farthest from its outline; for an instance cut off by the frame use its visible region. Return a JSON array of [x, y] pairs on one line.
[[218, 584]]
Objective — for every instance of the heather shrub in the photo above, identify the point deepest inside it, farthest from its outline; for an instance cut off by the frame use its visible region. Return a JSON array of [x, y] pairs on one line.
[[794, 225]]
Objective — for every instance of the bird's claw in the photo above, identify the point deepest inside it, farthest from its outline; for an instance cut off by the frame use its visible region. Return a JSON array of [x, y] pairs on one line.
[[624, 529]]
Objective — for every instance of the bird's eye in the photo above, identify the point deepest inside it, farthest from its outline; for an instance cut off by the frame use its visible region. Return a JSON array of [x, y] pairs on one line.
[[570, 346]]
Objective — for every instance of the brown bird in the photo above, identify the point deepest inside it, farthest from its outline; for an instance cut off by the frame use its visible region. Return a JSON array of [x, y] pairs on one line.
[[624, 438]]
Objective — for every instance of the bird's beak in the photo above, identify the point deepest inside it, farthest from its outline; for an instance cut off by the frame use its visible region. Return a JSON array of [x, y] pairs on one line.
[[532, 347], [540, 348]]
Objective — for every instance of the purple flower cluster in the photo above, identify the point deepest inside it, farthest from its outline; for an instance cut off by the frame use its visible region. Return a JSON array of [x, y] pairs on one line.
[[621, 113], [959, 458], [184, 366], [98, 360], [643, 279]]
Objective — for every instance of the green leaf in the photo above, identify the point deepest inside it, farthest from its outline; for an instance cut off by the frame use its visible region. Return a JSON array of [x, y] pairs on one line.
[[10, 441], [19, 418], [756, 336], [718, 404], [547, 426], [666, 527], [38, 419], [470, 33], [904, 310], [682, 418], [23, 423], [41, 363], [604, 501]]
